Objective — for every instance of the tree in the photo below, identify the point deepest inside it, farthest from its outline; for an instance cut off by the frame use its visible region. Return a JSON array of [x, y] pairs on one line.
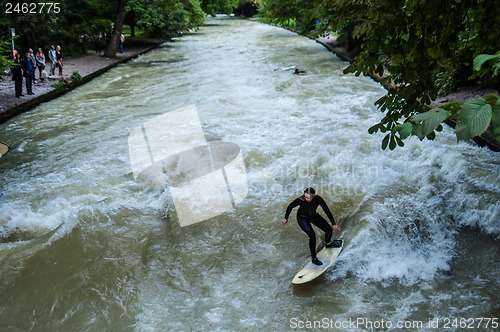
[[113, 43], [165, 18], [145, 14], [299, 15], [69, 26], [181, 16], [213, 7], [428, 49], [5, 56], [77, 21], [418, 49]]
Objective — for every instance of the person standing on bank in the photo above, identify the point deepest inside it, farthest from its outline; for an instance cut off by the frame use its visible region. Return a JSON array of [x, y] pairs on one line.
[[40, 63], [122, 40], [59, 60], [307, 216], [17, 74], [52, 57], [29, 72], [33, 60]]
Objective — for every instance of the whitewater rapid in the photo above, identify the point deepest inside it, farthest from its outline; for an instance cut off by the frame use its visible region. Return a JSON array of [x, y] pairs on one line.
[[85, 247]]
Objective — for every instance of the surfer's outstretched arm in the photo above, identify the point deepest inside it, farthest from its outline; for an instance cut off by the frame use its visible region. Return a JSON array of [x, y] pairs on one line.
[[291, 206]]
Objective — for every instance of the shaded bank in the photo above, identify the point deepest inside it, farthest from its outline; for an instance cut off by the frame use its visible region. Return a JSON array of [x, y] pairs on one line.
[[461, 94]]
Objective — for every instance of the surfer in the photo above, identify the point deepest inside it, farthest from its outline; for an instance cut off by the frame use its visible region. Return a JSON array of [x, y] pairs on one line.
[[307, 215], [297, 71]]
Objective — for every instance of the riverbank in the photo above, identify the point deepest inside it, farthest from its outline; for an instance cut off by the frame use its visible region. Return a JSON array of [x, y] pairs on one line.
[[461, 94], [89, 66]]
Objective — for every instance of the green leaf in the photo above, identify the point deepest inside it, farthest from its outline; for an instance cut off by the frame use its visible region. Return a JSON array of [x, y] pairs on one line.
[[492, 99], [400, 142], [385, 141], [404, 129], [453, 107], [350, 69], [417, 130], [392, 143], [474, 118], [430, 120], [496, 69], [373, 129], [482, 58]]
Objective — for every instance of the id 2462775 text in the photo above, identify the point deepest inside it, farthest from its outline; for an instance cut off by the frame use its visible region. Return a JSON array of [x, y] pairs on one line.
[[32, 7]]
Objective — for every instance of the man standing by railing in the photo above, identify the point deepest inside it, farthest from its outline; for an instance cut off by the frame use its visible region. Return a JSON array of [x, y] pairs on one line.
[[52, 57], [29, 72]]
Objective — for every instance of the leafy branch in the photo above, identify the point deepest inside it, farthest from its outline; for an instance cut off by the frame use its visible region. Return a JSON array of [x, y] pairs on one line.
[[5, 55], [474, 116]]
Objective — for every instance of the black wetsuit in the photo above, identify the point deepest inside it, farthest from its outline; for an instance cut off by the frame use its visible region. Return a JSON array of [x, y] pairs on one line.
[[307, 215]]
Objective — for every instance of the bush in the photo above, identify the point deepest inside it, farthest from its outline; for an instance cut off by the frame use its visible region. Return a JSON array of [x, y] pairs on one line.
[[59, 85], [75, 76]]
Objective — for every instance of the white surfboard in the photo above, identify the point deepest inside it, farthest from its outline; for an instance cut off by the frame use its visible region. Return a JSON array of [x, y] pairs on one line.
[[311, 271]]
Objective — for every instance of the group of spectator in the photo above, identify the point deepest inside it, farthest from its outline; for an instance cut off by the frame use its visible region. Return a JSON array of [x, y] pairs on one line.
[[26, 67]]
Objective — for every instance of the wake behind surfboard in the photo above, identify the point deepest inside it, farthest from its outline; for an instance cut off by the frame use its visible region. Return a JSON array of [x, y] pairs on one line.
[[311, 271]]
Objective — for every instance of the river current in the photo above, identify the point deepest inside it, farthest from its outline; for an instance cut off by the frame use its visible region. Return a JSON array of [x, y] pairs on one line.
[[84, 247]]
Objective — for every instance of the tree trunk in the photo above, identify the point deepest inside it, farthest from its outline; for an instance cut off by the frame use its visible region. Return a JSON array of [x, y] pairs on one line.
[[112, 46]]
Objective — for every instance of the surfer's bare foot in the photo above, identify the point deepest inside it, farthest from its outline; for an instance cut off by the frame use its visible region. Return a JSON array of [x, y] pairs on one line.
[[316, 261]]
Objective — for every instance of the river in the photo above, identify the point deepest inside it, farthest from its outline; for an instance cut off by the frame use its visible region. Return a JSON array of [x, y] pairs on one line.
[[85, 247]]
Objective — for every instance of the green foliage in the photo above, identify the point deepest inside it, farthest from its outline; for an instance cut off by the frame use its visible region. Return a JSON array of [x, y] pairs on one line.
[[59, 85], [166, 18], [474, 118], [475, 115], [180, 17], [424, 124], [416, 48], [246, 8], [148, 14], [67, 27], [75, 76], [495, 122], [5, 56], [294, 14], [78, 20], [101, 26], [481, 59], [213, 7]]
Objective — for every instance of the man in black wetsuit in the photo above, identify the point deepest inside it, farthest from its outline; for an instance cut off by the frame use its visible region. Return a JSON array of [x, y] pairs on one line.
[[307, 215]]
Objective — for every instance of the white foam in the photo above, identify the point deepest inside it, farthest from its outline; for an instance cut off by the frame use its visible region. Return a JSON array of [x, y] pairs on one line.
[[401, 209]]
